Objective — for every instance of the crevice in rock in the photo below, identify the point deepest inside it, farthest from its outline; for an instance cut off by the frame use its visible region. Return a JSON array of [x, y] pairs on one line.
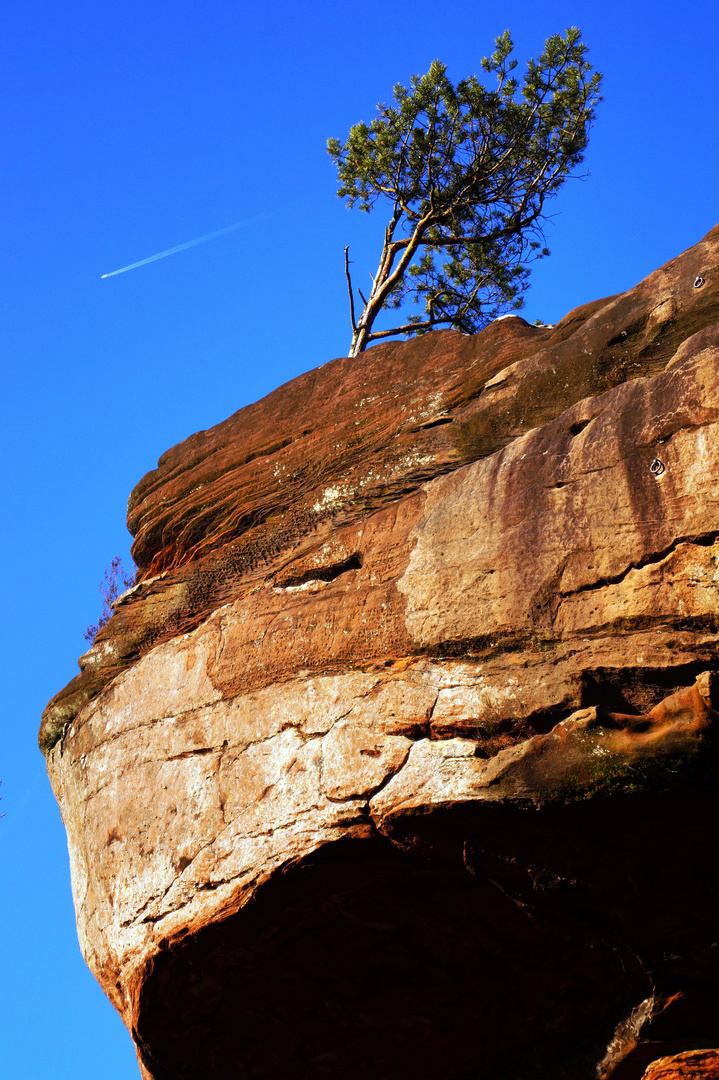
[[438, 422], [322, 573], [201, 751], [635, 690], [700, 539], [486, 645]]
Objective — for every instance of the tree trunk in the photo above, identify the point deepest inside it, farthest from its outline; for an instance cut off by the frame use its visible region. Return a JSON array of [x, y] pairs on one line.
[[382, 283], [373, 305], [359, 340]]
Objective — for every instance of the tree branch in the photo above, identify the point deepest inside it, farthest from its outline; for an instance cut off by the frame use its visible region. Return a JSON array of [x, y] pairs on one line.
[[349, 289], [408, 328]]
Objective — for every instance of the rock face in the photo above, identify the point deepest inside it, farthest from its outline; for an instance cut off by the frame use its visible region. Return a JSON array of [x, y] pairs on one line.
[[696, 1065], [401, 758]]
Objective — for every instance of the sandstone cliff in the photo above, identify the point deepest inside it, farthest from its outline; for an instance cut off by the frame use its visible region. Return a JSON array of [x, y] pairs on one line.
[[401, 758]]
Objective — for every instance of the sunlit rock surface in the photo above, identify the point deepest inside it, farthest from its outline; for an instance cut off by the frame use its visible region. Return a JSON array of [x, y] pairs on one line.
[[695, 1065], [401, 758]]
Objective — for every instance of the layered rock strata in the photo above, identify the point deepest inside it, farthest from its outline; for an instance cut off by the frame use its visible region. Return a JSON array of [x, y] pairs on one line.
[[400, 758]]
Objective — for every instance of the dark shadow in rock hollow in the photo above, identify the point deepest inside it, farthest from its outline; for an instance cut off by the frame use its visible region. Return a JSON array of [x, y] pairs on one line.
[[482, 942]]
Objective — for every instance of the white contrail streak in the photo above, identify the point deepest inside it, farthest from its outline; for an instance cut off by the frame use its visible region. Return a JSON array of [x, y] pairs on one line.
[[187, 244]]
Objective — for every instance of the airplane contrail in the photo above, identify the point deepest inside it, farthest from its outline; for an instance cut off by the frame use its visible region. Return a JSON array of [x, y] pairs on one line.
[[187, 244]]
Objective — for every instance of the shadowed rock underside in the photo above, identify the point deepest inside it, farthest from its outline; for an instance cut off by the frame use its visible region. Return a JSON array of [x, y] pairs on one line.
[[400, 760]]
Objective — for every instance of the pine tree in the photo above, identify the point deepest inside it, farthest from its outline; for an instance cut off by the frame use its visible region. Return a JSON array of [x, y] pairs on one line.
[[466, 171]]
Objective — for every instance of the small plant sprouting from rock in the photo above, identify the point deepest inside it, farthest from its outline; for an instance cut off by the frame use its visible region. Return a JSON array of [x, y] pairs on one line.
[[113, 585]]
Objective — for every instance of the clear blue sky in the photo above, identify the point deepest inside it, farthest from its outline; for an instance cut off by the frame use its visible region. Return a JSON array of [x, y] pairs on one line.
[[127, 128]]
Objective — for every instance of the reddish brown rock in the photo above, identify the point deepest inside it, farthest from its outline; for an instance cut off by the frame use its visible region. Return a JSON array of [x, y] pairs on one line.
[[259, 494], [695, 1065], [400, 758]]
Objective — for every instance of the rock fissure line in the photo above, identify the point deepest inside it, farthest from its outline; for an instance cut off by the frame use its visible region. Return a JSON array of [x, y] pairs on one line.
[[705, 539]]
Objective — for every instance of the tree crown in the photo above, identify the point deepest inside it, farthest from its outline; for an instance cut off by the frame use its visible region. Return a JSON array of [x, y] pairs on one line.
[[466, 171]]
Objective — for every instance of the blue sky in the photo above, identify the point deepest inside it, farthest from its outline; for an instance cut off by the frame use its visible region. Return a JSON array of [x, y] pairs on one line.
[[126, 129]]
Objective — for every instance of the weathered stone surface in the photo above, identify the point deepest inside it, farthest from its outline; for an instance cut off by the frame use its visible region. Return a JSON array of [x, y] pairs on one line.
[[259, 494], [694, 1065], [400, 760]]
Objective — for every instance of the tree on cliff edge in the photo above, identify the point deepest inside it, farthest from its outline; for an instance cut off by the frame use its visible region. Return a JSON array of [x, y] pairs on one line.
[[466, 171]]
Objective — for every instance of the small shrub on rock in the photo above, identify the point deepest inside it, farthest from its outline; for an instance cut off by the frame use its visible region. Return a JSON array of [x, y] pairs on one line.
[[113, 585]]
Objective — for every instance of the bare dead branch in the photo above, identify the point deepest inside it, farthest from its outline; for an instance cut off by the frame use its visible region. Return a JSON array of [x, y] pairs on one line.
[[349, 289]]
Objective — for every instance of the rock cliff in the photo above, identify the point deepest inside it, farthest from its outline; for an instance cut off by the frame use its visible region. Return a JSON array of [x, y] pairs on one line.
[[400, 760]]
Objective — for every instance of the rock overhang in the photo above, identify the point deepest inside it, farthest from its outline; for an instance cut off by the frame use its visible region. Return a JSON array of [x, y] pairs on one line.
[[386, 611]]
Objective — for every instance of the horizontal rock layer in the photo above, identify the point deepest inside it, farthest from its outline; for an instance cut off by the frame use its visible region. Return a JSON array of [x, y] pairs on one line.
[[398, 759]]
